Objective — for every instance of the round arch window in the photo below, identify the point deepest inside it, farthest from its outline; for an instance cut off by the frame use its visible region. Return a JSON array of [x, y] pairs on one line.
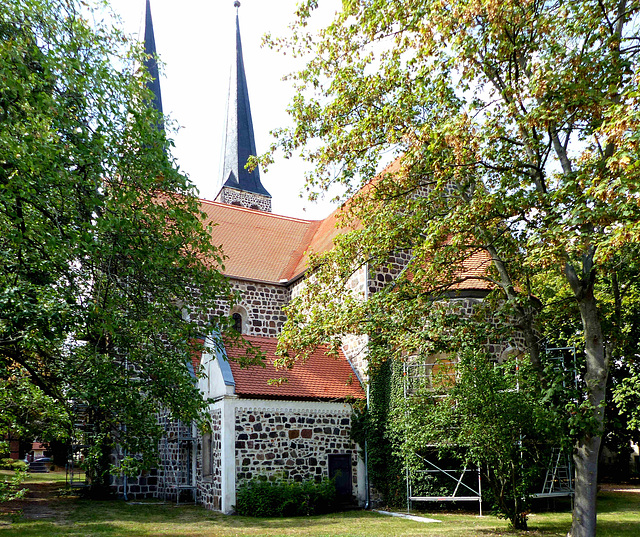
[[237, 322]]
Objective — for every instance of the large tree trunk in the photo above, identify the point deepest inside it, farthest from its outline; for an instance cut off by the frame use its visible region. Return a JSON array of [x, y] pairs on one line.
[[584, 507], [588, 447]]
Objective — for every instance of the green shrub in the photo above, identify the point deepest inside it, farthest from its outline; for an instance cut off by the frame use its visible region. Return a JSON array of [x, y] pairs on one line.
[[12, 464], [10, 487], [282, 498]]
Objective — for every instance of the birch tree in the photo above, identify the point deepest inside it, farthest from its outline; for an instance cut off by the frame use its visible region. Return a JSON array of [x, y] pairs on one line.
[[107, 274]]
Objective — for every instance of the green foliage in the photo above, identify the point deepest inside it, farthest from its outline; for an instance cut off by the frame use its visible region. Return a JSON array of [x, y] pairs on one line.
[[371, 427], [263, 498], [27, 412], [109, 276], [10, 488], [493, 417], [514, 126], [12, 464]]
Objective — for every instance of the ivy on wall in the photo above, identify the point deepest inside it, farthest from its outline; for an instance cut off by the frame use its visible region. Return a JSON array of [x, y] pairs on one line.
[[486, 413]]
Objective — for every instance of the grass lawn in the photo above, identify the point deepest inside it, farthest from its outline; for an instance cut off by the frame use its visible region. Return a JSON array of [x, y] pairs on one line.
[[618, 515], [59, 476]]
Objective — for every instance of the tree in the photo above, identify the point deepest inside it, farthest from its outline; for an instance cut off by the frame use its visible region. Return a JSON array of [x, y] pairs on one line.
[[109, 278], [516, 123]]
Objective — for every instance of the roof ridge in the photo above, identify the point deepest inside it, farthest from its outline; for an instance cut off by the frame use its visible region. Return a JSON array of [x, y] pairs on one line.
[[257, 211]]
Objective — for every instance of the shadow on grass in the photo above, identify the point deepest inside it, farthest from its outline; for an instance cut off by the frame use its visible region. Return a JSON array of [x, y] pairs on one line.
[[619, 515]]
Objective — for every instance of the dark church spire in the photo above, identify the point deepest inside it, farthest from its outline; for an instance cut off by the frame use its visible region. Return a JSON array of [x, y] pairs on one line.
[[239, 141], [151, 63]]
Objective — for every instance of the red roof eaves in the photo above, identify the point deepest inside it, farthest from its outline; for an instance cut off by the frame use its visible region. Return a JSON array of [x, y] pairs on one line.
[[321, 377]]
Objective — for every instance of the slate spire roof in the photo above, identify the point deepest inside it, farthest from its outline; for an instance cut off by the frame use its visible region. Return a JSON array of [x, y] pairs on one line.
[[151, 63], [239, 141]]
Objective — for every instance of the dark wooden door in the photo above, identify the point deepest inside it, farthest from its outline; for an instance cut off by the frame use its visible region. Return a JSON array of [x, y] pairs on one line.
[[340, 469]]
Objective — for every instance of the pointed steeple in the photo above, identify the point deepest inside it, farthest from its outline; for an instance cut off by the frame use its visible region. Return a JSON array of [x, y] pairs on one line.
[[239, 143], [150, 62]]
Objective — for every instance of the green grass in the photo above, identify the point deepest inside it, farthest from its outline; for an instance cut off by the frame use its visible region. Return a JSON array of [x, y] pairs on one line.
[[618, 515], [59, 476]]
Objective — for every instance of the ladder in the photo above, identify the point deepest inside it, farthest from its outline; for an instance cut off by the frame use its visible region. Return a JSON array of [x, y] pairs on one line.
[[558, 479]]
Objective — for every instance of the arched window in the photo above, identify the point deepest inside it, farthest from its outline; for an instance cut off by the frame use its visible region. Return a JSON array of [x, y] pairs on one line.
[[254, 206], [237, 322], [236, 203]]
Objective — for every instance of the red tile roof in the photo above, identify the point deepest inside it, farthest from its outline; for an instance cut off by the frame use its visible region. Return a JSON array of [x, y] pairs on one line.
[[320, 377], [273, 248], [259, 246], [473, 276]]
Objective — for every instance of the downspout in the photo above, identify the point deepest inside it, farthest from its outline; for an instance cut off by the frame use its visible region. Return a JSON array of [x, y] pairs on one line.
[[367, 503], [124, 474]]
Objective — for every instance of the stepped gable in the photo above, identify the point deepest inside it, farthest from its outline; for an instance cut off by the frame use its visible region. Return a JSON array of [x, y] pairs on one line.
[[321, 377]]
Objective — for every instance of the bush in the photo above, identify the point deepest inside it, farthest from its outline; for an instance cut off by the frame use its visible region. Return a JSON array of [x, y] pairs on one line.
[[12, 464], [10, 488], [282, 498]]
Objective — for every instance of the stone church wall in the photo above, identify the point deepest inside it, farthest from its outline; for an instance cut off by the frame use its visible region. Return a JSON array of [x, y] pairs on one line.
[[176, 452], [260, 307], [379, 277], [144, 486], [241, 198], [210, 487], [291, 442]]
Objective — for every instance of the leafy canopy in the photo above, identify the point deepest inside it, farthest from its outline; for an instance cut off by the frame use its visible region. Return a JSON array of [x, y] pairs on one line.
[[513, 128], [109, 279]]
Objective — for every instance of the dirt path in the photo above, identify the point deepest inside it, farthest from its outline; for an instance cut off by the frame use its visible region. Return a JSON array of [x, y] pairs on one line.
[[41, 501]]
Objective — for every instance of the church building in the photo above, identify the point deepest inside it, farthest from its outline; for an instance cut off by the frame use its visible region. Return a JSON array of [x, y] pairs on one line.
[[298, 429]]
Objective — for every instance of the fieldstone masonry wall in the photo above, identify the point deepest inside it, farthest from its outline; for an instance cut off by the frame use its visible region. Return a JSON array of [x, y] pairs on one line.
[[261, 307], [291, 443], [141, 487], [385, 274], [466, 308], [248, 200], [210, 487], [176, 451]]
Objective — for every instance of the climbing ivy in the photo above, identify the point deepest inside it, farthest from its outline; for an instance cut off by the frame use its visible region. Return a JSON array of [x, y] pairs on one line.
[[487, 414], [372, 424]]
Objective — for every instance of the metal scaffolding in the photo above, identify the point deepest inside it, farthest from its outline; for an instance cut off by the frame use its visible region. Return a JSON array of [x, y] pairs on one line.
[[180, 474], [434, 375], [81, 441]]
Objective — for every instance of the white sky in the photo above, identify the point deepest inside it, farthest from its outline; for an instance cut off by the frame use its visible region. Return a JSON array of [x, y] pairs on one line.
[[195, 40]]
